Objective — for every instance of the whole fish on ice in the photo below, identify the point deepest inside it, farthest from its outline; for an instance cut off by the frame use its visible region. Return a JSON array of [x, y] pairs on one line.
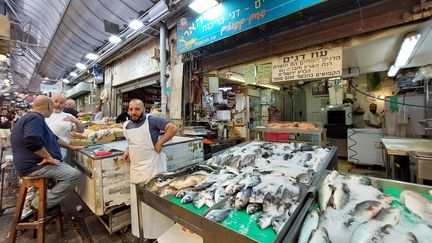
[[319, 235], [309, 224], [417, 205], [218, 215], [341, 196]]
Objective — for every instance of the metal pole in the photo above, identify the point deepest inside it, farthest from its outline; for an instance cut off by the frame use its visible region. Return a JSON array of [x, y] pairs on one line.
[[163, 62]]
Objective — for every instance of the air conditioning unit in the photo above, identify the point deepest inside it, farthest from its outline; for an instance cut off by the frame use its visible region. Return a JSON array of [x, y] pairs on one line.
[[235, 76], [79, 89]]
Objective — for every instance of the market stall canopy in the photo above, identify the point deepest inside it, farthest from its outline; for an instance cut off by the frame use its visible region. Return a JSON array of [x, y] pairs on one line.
[[48, 38]]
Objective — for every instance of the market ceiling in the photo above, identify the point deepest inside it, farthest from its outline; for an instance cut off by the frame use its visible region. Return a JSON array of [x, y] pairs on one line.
[[48, 38]]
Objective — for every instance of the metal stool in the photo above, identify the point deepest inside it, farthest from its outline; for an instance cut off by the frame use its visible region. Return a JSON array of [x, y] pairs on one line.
[[40, 219]]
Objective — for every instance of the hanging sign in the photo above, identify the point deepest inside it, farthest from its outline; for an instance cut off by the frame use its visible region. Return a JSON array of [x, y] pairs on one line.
[[249, 73], [232, 17], [318, 64], [50, 88], [264, 73]]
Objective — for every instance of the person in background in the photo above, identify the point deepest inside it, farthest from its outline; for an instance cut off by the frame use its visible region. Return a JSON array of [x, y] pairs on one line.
[[124, 116], [36, 152], [97, 114], [146, 160], [70, 107], [6, 123], [15, 115], [61, 123], [371, 118]]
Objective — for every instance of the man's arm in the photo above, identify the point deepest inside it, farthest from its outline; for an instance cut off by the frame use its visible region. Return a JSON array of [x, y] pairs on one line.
[[170, 130], [47, 158], [65, 145], [368, 123], [79, 128]]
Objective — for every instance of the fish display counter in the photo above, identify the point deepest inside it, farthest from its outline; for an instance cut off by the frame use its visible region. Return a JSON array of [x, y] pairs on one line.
[[249, 193], [354, 208]]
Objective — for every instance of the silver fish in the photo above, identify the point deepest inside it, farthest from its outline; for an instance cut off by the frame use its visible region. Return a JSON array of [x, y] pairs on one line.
[[166, 190], [251, 181], [367, 209], [307, 147], [341, 196], [208, 193], [385, 199], [199, 202], [387, 230], [242, 198], [220, 194], [214, 161], [189, 197], [235, 161], [309, 224], [331, 177], [209, 203], [253, 208], [204, 184], [218, 215], [365, 232], [181, 193], [417, 205], [279, 221], [248, 160], [232, 170], [319, 235], [234, 187], [305, 177], [325, 193], [271, 210], [389, 216], [187, 181], [225, 161]]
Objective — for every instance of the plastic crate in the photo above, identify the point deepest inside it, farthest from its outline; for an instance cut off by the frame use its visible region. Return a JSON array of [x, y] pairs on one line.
[[277, 136]]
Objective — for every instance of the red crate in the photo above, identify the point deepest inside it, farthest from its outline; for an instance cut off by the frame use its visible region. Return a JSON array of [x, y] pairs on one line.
[[276, 135]]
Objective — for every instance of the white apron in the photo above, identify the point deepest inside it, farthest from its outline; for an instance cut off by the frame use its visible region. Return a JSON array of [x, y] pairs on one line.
[[145, 163]]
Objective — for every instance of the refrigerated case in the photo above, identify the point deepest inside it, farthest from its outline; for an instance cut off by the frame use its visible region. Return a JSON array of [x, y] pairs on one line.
[[364, 146]]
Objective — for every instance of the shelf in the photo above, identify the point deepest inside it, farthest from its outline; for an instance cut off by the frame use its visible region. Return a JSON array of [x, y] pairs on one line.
[[289, 130]]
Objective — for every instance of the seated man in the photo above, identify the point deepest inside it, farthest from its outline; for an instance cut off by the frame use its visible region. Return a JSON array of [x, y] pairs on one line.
[[36, 152]]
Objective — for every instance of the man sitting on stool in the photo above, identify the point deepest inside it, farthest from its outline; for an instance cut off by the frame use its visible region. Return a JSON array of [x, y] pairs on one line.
[[36, 152]]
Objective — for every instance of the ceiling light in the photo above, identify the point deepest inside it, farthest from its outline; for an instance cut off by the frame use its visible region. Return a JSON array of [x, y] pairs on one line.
[[200, 6], [44, 81], [81, 66], [392, 71], [136, 24], [73, 74], [406, 49], [214, 13], [268, 86], [66, 81], [92, 56], [2, 58], [46, 78], [115, 39]]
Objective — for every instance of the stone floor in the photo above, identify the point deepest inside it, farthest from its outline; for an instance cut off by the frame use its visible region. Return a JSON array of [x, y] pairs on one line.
[[84, 226]]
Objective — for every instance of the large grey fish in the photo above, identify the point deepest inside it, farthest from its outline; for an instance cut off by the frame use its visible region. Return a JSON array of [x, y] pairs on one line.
[[214, 161], [324, 195], [251, 181], [232, 170], [187, 181], [271, 210], [166, 190], [367, 209], [365, 232], [242, 198], [319, 235], [386, 230], [234, 187], [362, 180], [307, 147], [225, 160], [253, 208], [390, 215], [208, 193], [235, 161], [181, 193], [309, 224], [189, 197], [220, 194], [248, 160], [205, 184], [218, 215], [417, 205], [341, 196], [209, 203]]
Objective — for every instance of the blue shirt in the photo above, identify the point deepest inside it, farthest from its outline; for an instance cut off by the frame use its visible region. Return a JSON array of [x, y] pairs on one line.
[[156, 124], [30, 134]]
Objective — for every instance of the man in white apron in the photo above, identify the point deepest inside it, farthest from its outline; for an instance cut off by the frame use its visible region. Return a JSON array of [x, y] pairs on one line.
[[147, 159]]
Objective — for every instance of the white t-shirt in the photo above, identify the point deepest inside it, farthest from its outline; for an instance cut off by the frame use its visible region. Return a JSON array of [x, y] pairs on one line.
[[372, 118], [98, 116], [60, 128]]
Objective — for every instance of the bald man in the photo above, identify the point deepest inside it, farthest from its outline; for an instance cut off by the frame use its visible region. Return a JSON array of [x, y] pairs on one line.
[[146, 160], [70, 107], [36, 152], [61, 123]]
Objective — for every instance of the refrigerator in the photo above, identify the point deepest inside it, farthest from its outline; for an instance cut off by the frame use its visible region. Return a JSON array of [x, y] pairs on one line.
[[364, 146]]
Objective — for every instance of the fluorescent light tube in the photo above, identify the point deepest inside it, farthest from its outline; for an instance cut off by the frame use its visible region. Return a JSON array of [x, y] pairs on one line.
[[81, 66], [66, 81], [73, 74], [392, 71], [115, 39], [92, 56], [200, 6], [136, 24], [406, 50]]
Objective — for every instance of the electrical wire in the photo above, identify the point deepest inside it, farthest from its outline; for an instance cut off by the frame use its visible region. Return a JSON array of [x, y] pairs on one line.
[[393, 102]]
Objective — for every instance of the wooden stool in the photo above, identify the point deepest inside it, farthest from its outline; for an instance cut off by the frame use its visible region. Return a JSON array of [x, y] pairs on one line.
[[40, 219]]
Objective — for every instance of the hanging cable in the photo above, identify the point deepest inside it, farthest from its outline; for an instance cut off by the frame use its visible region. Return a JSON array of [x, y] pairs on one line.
[[394, 102]]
